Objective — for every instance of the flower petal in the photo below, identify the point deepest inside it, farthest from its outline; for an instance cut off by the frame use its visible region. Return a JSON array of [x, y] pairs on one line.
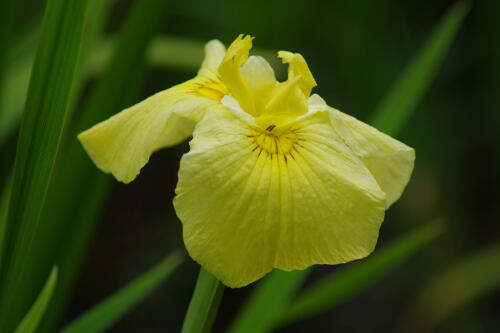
[[298, 67], [389, 160], [260, 78], [230, 73], [287, 103], [214, 53], [250, 201], [122, 144]]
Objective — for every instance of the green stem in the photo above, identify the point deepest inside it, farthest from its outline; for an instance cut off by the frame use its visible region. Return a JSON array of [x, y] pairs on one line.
[[204, 304]]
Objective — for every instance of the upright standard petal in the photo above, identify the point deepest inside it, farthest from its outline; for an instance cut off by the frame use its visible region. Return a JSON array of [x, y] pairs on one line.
[[286, 104], [251, 201], [214, 53], [260, 78], [230, 73], [298, 67], [389, 160]]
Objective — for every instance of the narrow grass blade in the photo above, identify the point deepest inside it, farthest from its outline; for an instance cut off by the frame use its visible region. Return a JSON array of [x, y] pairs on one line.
[[4, 208], [104, 315], [49, 94], [339, 287], [31, 320], [395, 109], [20, 60], [268, 302], [79, 186], [7, 18], [16, 80], [204, 304], [455, 287]]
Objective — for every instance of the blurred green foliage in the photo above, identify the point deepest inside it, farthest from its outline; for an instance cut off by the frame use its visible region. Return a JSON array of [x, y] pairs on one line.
[[116, 88], [452, 289], [105, 314], [356, 50], [30, 322], [51, 88]]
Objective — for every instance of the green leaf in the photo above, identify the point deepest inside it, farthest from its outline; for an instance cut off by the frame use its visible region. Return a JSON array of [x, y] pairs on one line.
[[31, 320], [268, 302], [4, 208], [357, 277], [409, 89], [8, 11], [116, 89], [456, 286], [104, 315], [16, 81], [204, 304], [47, 105], [20, 62]]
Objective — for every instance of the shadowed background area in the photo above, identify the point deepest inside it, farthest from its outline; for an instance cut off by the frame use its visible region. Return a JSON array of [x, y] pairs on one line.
[[356, 51]]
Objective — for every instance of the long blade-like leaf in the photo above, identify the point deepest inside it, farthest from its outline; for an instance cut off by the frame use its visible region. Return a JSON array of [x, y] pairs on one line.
[[31, 320], [268, 302], [204, 304], [20, 63], [408, 90], [344, 285], [8, 9], [79, 185], [47, 105], [16, 81], [108, 312], [4, 208]]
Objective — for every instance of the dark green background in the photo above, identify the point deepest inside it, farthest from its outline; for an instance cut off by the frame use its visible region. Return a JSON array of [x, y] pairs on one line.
[[356, 50]]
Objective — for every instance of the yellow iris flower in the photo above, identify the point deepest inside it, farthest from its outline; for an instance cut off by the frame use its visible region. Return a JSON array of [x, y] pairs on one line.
[[275, 178]]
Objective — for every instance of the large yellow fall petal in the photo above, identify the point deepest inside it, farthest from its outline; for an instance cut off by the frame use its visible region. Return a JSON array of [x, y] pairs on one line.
[[122, 144], [250, 201], [389, 160]]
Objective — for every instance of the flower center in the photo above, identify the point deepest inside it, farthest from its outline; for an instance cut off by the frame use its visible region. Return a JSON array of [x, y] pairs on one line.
[[285, 144]]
